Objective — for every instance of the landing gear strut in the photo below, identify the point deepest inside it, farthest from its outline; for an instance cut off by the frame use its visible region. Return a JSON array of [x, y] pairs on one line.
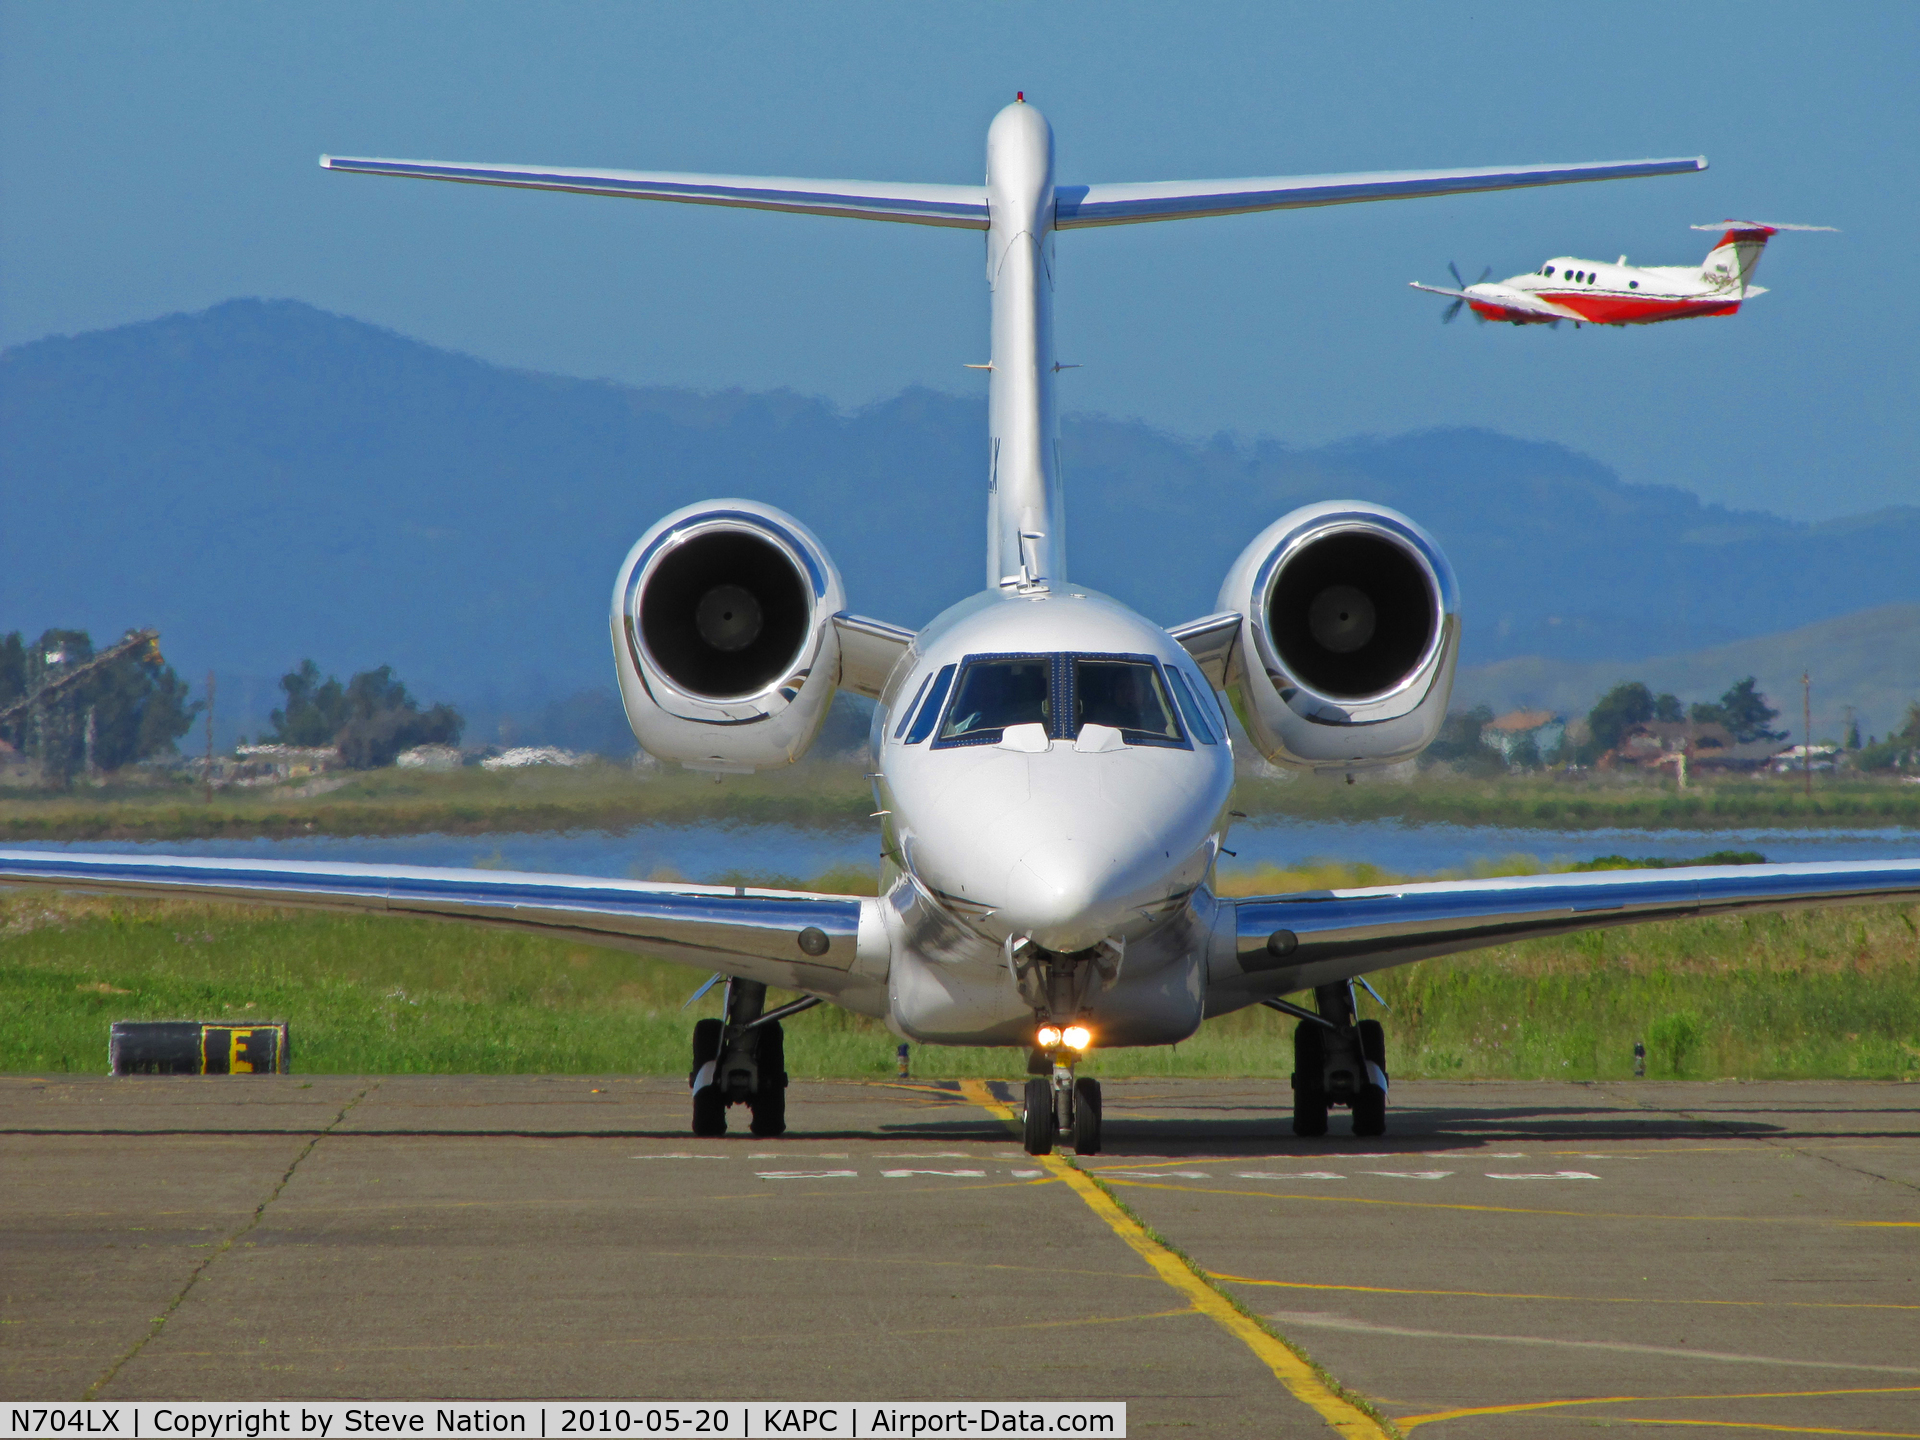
[[1058, 1104], [741, 1059], [1337, 1060]]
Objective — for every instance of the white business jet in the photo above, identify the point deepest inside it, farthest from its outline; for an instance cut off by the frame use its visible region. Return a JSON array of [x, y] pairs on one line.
[[1053, 772]]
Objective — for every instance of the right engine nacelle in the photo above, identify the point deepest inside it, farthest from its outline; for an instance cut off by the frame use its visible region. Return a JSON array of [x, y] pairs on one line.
[[723, 636], [1348, 640]]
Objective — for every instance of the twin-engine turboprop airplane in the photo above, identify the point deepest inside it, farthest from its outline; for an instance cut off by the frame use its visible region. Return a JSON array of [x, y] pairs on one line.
[[1592, 292], [1052, 770]]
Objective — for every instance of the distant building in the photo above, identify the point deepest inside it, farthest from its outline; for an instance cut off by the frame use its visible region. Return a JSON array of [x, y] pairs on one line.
[[430, 757], [1508, 733]]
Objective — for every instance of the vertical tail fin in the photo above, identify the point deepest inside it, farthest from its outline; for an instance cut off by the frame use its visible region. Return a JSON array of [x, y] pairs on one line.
[[1731, 262]]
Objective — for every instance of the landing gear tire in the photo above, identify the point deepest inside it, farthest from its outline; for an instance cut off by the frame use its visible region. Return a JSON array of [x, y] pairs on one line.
[[1309, 1093], [1370, 1105], [709, 1105], [1039, 1117], [709, 1112], [1086, 1117], [769, 1103]]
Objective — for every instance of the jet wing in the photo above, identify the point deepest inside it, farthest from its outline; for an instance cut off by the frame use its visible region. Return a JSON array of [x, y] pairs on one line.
[[1514, 302], [1079, 206], [960, 206], [1286, 943], [753, 933]]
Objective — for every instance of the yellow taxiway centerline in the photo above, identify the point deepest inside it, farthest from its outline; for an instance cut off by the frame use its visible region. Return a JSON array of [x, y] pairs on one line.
[[1291, 1368]]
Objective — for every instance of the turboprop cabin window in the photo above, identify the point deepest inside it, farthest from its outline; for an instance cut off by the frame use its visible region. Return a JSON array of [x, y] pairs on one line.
[[1129, 695], [995, 692]]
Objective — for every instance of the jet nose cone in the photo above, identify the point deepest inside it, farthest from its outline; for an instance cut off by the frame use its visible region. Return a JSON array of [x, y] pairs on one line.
[[1061, 895]]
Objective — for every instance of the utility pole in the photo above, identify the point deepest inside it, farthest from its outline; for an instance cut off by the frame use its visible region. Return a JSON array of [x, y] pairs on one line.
[[208, 777], [1806, 729]]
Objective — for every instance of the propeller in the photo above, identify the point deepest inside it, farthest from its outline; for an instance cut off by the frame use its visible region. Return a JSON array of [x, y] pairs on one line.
[[1452, 312]]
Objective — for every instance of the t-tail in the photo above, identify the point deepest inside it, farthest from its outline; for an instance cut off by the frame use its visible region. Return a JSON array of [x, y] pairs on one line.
[[1732, 261]]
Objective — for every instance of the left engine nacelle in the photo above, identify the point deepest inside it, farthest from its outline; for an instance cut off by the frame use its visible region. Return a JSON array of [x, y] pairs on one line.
[[723, 636]]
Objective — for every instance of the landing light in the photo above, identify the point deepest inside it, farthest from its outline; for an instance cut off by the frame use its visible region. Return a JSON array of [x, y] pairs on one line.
[[1077, 1037], [1048, 1037]]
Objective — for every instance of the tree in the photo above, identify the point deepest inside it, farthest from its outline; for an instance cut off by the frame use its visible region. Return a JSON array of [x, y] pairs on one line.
[[1666, 708], [1900, 750], [371, 718], [1743, 711], [1618, 711], [134, 706]]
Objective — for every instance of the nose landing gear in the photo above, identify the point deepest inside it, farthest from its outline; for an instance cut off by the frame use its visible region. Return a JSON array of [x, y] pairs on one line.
[[1058, 1104], [1337, 1060]]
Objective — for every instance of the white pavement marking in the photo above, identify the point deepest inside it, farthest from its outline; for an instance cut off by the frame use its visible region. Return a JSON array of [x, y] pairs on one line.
[[1410, 1174], [805, 1174], [789, 1155], [1316, 1321], [677, 1155], [1028, 1174], [1297, 1175], [902, 1174], [1547, 1175]]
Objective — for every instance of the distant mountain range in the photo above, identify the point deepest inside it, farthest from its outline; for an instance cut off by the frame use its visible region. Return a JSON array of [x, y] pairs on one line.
[[1869, 661], [265, 481]]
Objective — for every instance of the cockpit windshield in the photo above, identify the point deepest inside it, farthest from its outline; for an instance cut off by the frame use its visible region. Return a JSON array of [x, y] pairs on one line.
[[994, 694], [1061, 693], [1129, 695]]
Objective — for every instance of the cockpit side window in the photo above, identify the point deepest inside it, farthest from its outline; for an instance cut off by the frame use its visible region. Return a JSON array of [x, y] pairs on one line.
[[1127, 694], [930, 712], [1190, 708], [906, 712], [997, 691]]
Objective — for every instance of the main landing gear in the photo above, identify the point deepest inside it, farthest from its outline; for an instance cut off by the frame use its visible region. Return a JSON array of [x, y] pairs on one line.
[[1056, 1103], [741, 1059], [1337, 1060]]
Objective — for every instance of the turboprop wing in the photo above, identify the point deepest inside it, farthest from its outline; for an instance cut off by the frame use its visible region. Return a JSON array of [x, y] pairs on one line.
[[1513, 304], [1294, 942]]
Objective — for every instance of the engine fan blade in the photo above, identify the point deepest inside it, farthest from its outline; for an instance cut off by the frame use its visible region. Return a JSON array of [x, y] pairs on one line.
[[1454, 270], [1452, 312], [1483, 276]]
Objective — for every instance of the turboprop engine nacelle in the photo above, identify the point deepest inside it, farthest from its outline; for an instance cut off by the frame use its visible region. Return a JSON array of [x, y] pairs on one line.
[[723, 636], [1349, 633]]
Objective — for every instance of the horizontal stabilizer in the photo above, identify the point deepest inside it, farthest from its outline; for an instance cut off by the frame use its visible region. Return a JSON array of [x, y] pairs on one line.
[[1769, 226], [959, 206], [1078, 206]]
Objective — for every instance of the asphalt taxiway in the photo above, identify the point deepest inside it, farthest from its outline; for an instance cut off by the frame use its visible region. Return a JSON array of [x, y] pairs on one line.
[[1512, 1260]]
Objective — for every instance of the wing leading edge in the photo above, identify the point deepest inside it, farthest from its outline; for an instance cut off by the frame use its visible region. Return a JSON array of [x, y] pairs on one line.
[[1076, 207], [757, 934], [1079, 206], [1286, 943]]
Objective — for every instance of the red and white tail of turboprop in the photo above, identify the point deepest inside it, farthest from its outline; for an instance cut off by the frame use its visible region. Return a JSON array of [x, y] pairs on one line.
[[1732, 261]]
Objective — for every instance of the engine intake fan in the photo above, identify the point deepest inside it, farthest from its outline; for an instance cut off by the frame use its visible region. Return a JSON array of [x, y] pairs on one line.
[[723, 636], [1349, 636]]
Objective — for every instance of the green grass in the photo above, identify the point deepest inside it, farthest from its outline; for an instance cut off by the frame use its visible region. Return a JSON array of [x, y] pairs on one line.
[[468, 801], [1828, 993], [614, 797]]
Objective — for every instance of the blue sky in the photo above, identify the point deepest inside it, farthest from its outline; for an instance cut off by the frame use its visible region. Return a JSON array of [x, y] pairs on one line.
[[157, 157]]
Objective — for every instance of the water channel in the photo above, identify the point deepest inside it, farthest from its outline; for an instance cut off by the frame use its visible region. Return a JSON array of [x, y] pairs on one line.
[[710, 851]]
